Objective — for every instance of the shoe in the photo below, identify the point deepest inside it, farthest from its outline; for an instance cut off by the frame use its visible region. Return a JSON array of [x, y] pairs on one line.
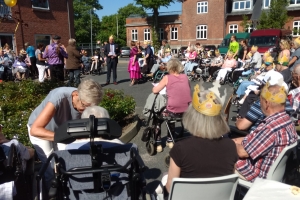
[[159, 148], [115, 83], [170, 144], [107, 83]]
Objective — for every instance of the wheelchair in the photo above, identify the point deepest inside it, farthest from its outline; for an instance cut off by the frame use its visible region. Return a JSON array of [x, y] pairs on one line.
[[11, 170], [149, 135], [98, 171]]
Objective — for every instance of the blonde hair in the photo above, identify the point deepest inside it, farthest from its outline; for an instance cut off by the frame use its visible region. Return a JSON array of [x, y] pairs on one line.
[[111, 37], [72, 42], [97, 111], [285, 44], [296, 44], [90, 92], [174, 65], [204, 126]]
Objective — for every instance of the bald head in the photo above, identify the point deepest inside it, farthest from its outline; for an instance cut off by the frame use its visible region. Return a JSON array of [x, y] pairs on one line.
[[296, 76], [297, 69]]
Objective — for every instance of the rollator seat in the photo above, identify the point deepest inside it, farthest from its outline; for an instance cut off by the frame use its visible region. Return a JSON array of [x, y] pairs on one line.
[[173, 117]]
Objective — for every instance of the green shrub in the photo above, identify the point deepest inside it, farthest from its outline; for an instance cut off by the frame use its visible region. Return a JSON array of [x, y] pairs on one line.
[[17, 101], [118, 104]]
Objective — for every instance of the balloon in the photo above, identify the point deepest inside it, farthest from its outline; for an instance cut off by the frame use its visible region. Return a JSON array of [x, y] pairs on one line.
[[10, 3]]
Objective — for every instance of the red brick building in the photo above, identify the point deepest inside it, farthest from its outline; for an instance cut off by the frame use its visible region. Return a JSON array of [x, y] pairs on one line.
[[206, 21], [41, 20]]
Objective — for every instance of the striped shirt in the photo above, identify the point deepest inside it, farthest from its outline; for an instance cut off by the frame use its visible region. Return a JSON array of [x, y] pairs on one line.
[[264, 145]]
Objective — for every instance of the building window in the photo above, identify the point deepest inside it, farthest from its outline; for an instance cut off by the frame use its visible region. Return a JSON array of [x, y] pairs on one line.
[[201, 32], [44, 39], [267, 3], [134, 34], [296, 28], [147, 34], [40, 4], [249, 28], [241, 5], [294, 2], [174, 33], [6, 39], [202, 7], [4, 9], [233, 28], [161, 34]]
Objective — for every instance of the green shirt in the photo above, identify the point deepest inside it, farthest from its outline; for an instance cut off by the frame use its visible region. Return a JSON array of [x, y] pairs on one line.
[[234, 47]]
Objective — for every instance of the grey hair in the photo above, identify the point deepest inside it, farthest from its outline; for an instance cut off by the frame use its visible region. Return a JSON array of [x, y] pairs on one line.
[[90, 92], [297, 69], [174, 65], [72, 41], [296, 44], [200, 125], [97, 111]]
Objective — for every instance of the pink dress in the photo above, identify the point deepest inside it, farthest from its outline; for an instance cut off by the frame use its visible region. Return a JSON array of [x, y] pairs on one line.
[[134, 70]]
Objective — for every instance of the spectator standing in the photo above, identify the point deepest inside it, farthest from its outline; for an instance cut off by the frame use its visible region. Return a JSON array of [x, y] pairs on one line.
[[56, 52], [6, 49], [40, 62], [112, 52], [244, 50], [295, 58], [31, 54], [234, 47], [73, 64], [133, 65], [165, 46], [4, 61], [148, 59]]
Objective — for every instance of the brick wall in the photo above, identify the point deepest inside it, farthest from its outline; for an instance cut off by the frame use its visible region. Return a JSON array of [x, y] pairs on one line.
[[51, 22]]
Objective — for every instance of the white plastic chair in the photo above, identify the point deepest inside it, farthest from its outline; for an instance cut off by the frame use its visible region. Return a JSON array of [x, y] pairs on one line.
[[220, 188], [277, 169]]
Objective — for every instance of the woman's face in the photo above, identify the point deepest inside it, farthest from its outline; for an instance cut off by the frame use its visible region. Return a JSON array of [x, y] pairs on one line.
[[242, 43], [229, 56], [281, 46]]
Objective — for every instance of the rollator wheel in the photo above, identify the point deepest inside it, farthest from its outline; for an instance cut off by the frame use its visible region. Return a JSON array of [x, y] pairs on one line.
[[167, 161], [150, 148], [146, 134]]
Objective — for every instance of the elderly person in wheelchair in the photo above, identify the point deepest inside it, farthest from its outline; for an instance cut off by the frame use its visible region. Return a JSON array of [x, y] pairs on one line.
[[178, 95], [11, 150], [161, 65], [21, 65], [229, 64], [216, 155]]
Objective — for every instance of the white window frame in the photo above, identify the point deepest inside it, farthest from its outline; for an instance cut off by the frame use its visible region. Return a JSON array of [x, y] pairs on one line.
[[39, 8], [174, 33], [264, 4], [250, 28], [37, 35], [147, 34], [233, 28], [239, 3], [161, 33], [202, 7], [202, 29], [297, 3], [297, 26], [134, 34]]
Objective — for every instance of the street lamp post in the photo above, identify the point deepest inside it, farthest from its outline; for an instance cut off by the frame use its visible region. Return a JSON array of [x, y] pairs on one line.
[[180, 36], [91, 32]]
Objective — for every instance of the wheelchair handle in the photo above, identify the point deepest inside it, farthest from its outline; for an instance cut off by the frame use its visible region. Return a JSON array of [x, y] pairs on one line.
[[11, 156]]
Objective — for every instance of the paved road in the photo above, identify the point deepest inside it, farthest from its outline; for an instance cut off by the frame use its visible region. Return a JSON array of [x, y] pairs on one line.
[[140, 93]]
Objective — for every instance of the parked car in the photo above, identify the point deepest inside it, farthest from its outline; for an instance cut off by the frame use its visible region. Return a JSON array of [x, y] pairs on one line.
[[125, 51]]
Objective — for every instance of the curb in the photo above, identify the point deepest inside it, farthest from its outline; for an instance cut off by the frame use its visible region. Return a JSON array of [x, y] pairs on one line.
[[131, 131]]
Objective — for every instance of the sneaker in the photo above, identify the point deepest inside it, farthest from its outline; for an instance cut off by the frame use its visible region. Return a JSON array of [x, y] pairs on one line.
[[170, 144], [159, 148]]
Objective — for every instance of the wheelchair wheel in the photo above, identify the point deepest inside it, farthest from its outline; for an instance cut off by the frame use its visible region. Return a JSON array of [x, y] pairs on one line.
[[150, 148], [167, 161], [146, 134]]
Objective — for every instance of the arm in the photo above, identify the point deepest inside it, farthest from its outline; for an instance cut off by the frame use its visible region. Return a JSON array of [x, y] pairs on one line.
[[174, 172], [63, 51], [77, 54], [40, 58], [242, 153], [292, 61], [45, 55], [38, 127], [105, 51], [243, 124], [117, 50], [161, 85], [245, 53]]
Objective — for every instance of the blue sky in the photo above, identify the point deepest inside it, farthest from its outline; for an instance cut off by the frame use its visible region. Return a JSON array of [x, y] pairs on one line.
[[112, 6]]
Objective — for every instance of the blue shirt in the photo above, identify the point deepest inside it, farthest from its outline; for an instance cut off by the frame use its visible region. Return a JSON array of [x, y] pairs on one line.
[[255, 115], [30, 51]]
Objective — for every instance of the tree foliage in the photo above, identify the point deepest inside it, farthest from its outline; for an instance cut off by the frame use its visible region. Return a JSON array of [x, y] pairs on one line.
[[82, 19], [246, 23], [109, 23], [276, 16]]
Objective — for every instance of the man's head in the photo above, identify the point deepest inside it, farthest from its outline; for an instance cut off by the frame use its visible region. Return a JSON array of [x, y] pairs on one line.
[[26, 44], [89, 93], [272, 99], [97, 111], [72, 42], [111, 39], [296, 76], [254, 49], [164, 42], [56, 39]]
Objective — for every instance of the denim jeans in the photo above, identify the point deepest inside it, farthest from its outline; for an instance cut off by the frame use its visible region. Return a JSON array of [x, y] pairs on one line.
[[74, 73], [243, 87]]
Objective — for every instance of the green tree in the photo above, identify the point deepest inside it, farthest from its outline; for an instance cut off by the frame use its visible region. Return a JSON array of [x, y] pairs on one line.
[[245, 23], [109, 23], [276, 16], [82, 19]]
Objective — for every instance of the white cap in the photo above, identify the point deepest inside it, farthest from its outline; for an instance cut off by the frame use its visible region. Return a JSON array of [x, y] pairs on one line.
[[276, 78]]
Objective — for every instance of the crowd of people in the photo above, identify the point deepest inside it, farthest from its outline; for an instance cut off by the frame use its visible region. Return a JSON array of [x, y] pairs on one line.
[[267, 101]]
